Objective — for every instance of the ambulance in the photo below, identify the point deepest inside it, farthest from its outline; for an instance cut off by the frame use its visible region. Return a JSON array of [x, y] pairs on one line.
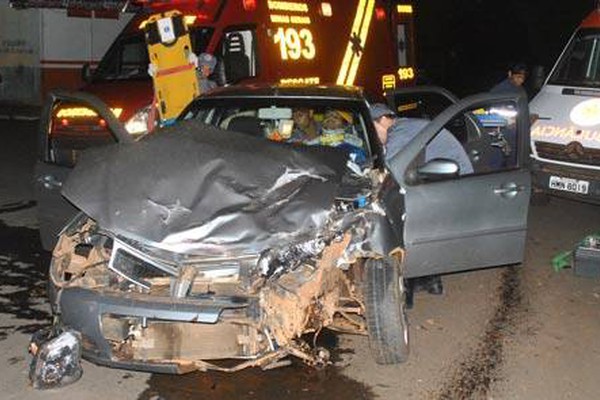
[[368, 43], [565, 138]]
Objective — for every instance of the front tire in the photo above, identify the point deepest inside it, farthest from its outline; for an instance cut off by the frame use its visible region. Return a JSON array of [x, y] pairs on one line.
[[385, 311]]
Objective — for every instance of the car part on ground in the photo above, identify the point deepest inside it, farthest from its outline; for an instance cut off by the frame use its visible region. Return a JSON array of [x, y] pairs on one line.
[[56, 358]]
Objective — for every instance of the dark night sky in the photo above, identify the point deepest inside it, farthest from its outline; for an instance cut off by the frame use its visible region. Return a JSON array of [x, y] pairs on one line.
[[467, 45]]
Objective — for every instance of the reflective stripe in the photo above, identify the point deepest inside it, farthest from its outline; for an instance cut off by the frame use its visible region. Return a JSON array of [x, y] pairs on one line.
[[360, 31]]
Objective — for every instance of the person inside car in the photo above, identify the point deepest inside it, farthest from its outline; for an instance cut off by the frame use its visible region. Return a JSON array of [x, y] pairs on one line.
[[305, 128]]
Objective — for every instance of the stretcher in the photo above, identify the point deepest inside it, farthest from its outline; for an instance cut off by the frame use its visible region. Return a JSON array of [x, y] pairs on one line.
[[171, 64]]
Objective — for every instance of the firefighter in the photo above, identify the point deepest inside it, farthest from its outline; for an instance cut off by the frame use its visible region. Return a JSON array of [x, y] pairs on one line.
[[205, 66]]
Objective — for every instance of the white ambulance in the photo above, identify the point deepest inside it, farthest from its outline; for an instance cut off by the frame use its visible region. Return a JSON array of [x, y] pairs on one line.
[[565, 139]]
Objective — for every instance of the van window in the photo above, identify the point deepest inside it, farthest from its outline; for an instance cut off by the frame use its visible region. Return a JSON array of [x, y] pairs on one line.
[[237, 50], [580, 63], [128, 56]]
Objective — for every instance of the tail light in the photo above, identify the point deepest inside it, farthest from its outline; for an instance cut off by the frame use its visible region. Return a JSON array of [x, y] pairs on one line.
[[249, 5]]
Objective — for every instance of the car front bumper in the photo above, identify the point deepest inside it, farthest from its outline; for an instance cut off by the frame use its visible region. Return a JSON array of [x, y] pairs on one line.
[[154, 334]]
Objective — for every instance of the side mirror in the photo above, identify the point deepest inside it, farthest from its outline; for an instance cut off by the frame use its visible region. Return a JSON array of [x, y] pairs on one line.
[[86, 72], [438, 169]]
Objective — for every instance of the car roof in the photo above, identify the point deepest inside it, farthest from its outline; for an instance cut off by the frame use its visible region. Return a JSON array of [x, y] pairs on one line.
[[269, 91]]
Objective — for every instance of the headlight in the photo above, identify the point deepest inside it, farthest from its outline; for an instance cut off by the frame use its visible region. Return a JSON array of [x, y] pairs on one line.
[[138, 124]]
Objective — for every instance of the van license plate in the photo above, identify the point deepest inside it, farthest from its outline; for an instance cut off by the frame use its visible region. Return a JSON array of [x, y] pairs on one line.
[[569, 185]]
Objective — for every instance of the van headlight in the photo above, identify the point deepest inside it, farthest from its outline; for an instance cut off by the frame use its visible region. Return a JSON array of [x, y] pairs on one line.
[[138, 123]]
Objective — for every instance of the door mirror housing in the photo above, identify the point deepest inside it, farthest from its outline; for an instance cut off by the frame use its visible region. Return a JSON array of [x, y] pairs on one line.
[[435, 170]]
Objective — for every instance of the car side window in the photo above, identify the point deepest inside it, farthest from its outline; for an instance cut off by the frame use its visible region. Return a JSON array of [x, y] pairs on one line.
[[237, 51], [491, 144]]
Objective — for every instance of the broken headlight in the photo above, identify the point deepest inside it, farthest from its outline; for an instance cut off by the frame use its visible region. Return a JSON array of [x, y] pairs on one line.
[[137, 267]]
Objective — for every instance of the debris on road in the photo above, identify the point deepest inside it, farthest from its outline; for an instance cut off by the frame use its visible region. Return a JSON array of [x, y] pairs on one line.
[[56, 358], [584, 259]]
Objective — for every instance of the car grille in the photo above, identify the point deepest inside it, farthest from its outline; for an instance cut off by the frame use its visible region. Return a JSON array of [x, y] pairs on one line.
[[572, 152]]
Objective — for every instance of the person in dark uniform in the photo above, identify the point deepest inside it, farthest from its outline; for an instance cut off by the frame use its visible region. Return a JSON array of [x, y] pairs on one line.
[[505, 156], [513, 83]]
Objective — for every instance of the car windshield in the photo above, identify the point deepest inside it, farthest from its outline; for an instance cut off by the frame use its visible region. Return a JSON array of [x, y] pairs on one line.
[[580, 63], [128, 58], [299, 122]]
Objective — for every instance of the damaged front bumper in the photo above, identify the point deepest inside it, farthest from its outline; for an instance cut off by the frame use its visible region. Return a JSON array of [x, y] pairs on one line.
[[173, 321], [146, 333]]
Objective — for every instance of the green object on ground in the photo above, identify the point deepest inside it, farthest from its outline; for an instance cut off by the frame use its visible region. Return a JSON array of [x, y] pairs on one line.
[[564, 259]]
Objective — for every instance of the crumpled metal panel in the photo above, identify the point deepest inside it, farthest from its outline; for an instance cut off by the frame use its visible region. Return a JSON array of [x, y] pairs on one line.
[[196, 188]]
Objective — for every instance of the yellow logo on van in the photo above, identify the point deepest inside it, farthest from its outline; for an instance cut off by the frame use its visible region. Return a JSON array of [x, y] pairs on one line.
[[586, 113]]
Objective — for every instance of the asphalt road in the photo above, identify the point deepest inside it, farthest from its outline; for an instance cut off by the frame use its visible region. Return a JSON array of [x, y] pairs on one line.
[[525, 332]]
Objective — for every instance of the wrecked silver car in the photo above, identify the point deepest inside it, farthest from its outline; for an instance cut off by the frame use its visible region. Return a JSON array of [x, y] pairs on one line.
[[231, 235]]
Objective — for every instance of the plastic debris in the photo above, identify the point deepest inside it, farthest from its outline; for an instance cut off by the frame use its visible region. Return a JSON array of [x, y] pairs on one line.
[[56, 358], [564, 259]]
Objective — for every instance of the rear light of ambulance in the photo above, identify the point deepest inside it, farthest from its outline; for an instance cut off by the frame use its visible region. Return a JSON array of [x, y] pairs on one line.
[[249, 5], [380, 13]]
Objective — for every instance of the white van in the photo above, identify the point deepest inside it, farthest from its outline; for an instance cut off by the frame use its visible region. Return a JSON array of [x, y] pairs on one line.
[[565, 140]]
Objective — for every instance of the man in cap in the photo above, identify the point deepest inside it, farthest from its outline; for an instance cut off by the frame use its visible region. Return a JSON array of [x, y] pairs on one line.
[[395, 133], [206, 66], [505, 154]]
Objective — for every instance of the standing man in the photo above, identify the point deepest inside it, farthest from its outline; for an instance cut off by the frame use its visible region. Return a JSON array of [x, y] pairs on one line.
[[506, 154], [394, 134], [513, 83]]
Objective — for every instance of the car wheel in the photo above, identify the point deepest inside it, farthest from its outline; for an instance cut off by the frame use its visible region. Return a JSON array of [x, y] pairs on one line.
[[387, 324]]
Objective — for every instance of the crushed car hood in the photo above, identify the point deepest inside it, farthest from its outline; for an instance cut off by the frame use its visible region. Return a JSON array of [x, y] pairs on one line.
[[206, 189]]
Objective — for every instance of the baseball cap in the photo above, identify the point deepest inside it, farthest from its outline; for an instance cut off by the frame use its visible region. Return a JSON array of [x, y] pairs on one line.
[[378, 110]]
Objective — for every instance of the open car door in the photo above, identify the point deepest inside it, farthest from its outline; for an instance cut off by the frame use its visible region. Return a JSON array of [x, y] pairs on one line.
[[58, 149], [459, 221]]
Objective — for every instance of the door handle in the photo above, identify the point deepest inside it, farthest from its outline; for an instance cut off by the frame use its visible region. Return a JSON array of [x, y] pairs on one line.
[[509, 190], [50, 182]]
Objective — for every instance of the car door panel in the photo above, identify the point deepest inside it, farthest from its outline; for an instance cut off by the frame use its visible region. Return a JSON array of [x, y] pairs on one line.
[[468, 222], [54, 211], [472, 222]]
